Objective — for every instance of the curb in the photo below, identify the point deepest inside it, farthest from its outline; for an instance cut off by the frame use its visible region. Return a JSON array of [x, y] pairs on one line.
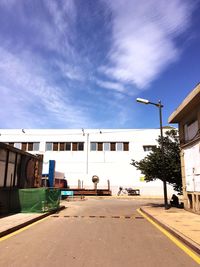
[[17, 227], [178, 235]]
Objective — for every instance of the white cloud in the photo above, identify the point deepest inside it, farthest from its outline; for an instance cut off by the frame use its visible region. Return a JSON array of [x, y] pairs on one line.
[[24, 87], [111, 86], [70, 71], [143, 41], [47, 78]]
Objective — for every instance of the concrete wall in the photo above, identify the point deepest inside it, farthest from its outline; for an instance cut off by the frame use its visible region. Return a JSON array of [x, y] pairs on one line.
[[82, 165]]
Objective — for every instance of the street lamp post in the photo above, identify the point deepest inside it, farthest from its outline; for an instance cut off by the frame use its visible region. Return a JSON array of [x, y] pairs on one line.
[[160, 106]]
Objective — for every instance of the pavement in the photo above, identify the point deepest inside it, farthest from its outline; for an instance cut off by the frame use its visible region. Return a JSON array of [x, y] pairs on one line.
[[14, 222], [183, 224]]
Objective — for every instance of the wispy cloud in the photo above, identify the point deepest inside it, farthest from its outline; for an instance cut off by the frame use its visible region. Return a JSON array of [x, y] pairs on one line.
[[111, 86], [25, 89], [61, 25], [75, 63], [35, 70], [144, 38]]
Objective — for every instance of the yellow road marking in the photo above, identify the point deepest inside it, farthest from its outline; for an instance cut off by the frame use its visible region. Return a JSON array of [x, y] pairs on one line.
[[188, 251], [21, 230]]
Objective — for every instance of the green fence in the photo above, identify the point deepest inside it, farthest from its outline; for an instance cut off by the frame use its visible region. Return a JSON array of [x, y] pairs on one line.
[[39, 199]]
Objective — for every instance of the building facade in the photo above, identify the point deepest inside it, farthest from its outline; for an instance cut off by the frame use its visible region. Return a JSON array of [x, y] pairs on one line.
[[82, 153], [187, 115]]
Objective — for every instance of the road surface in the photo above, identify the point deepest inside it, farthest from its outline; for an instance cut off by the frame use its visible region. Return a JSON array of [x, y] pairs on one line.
[[90, 233]]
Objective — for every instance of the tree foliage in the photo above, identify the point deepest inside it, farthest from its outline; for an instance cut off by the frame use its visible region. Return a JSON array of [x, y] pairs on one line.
[[153, 167]]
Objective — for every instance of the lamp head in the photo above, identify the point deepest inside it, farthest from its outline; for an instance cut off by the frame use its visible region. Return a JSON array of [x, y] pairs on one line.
[[141, 100]]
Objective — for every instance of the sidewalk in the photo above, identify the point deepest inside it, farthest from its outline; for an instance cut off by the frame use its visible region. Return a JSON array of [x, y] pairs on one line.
[[13, 222], [182, 224]]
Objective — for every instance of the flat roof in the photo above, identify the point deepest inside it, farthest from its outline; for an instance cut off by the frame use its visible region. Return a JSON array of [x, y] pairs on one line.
[[192, 100]]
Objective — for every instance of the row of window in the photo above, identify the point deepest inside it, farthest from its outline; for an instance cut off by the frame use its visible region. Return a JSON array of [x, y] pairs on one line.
[[77, 146], [113, 146], [94, 146], [27, 146], [62, 146]]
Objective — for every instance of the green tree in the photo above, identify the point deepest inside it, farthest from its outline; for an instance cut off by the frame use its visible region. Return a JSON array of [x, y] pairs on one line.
[[154, 168]]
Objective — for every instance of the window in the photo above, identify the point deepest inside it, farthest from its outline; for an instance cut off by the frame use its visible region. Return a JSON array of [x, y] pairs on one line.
[[190, 130], [148, 148], [18, 145], [112, 146], [106, 146], [119, 146], [93, 146], [36, 146], [126, 146], [68, 146], [30, 146], [74, 146], [80, 146], [62, 146], [55, 146], [100, 147], [49, 146], [24, 145]]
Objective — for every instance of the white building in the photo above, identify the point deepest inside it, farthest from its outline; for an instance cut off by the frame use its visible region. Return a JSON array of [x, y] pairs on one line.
[[80, 154]]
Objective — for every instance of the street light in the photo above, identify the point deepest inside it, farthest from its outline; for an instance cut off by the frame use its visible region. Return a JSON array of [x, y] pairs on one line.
[[160, 106]]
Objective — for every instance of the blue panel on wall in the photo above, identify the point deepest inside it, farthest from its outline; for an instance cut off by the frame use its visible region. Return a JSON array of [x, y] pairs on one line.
[[52, 164]]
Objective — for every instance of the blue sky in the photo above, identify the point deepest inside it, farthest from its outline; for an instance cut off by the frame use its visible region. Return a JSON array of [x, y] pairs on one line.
[[82, 64]]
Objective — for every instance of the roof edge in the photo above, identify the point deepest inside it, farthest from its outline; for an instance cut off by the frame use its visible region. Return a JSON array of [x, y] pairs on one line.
[[174, 117]]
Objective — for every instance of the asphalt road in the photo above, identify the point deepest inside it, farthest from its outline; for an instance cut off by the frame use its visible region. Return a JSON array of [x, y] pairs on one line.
[[105, 233]]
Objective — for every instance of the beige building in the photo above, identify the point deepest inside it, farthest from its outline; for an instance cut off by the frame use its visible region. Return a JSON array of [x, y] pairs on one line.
[[187, 115]]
